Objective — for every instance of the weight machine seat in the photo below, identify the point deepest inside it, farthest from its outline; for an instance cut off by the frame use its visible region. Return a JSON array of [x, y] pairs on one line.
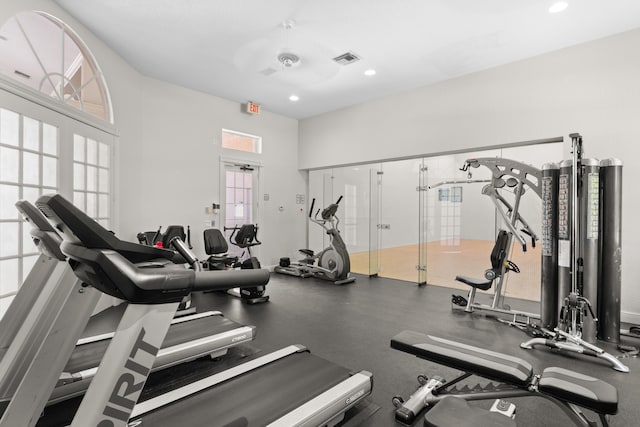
[[485, 363], [454, 411], [580, 389], [481, 284]]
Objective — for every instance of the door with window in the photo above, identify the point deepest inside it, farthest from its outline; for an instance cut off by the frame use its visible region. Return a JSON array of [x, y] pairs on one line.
[[42, 151], [240, 202]]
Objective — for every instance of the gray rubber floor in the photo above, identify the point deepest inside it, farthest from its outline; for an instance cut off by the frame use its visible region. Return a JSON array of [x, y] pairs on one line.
[[352, 325]]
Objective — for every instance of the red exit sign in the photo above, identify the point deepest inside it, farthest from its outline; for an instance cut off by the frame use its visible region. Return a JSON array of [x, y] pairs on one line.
[[253, 108]]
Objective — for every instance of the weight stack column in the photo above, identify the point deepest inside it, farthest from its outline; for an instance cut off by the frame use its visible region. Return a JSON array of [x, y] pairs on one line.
[[564, 231], [549, 276], [589, 218], [611, 250]]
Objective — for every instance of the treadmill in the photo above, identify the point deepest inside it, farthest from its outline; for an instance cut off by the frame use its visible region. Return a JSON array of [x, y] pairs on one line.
[[26, 322], [289, 387]]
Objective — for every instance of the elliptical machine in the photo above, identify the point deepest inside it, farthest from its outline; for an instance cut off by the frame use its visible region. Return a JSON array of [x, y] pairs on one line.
[[332, 263]]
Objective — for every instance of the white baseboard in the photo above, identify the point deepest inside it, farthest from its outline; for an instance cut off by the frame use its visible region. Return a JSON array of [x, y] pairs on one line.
[[630, 317]]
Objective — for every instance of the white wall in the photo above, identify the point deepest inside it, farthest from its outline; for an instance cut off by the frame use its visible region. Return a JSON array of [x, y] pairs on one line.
[[168, 151], [172, 172], [592, 88]]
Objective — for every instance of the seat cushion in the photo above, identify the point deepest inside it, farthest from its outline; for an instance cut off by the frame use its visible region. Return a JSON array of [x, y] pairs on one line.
[[481, 284], [454, 411], [580, 389]]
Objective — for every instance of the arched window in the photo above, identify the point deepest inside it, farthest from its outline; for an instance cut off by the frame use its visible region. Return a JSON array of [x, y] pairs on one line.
[[41, 52], [45, 146]]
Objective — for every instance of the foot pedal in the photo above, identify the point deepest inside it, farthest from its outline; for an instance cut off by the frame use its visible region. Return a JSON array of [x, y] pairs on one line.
[[459, 300], [503, 407]]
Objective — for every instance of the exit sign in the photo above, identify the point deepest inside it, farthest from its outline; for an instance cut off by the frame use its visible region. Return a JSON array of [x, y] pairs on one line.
[[253, 108]]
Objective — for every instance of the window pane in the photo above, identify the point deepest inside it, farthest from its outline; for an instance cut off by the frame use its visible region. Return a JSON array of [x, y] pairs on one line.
[[92, 208], [103, 180], [103, 206], [78, 148], [230, 178], [8, 198], [78, 176], [103, 158], [239, 210], [239, 195], [49, 139], [9, 238], [9, 164], [242, 142], [92, 178], [27, 265], [92, 152], [31, 134], [78, 200], [9, 127], [30, 193], [8, 275], [231, 195], [43, 47], [30, 168], [230, 214], [248, 180], [49, 171], [239, 179]]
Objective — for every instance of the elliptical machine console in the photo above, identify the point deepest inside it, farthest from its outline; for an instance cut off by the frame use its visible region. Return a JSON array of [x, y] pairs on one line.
[[332, 263]]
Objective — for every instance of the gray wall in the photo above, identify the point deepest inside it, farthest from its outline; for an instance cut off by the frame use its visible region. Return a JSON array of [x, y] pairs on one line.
[[591, 88]]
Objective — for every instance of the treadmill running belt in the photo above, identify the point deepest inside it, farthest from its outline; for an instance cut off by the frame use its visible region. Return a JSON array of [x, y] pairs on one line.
[[256, 398], [89, 355]]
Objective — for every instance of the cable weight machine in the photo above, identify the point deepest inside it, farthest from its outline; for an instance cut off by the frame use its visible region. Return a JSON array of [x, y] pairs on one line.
[[581, 230], [519, 177]]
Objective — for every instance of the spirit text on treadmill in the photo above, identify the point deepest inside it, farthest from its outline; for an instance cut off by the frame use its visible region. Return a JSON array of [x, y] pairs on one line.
[[125, 386], [239, 338], [354, 397]]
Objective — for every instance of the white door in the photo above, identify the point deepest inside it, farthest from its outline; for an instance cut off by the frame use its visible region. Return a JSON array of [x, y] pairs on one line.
[[43, 151]]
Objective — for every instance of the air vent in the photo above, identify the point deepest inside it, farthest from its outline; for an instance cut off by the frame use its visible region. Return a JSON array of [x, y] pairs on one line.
[[347, 58], [21, 74]]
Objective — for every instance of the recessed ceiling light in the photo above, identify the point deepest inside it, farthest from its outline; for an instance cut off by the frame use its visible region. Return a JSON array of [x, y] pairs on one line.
[[294, 98], [370, 72], [558, 7]]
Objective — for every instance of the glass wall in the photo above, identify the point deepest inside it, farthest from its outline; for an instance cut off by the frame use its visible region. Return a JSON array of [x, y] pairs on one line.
[[424, 220]]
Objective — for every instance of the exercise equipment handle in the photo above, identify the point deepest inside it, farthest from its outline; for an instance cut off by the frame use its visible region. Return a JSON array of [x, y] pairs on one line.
[[187, 254], [338, 202], [313, 202], [229, 279]]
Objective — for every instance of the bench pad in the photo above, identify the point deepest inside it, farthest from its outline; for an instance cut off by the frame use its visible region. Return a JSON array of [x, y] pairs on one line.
[[486, 363], [481, 284], [580, 389], [454, 411]]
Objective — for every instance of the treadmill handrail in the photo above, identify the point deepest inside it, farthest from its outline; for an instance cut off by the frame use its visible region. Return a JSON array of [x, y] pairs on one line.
[[113, 274]]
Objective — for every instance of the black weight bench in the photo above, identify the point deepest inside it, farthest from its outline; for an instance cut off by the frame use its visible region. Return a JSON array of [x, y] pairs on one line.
[[568, 389]]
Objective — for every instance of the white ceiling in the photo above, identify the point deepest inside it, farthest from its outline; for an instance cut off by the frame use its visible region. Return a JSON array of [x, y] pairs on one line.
[[224, 47]]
